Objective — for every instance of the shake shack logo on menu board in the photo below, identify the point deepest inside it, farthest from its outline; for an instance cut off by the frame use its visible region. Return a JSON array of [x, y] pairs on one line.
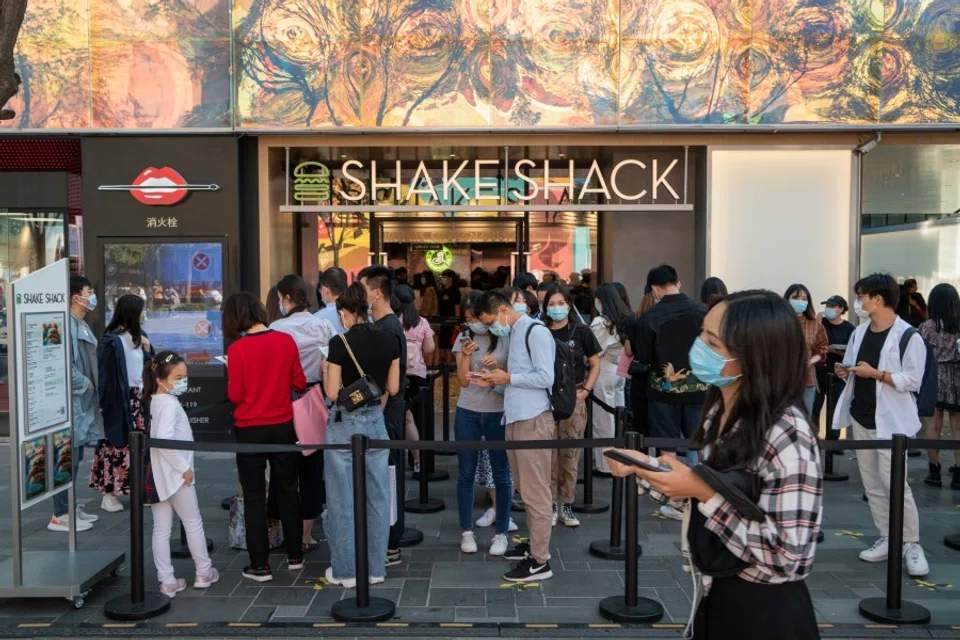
[[41, 298]]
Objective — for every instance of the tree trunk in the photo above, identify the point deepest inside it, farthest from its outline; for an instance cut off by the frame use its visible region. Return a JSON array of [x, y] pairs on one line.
[[11, 18]]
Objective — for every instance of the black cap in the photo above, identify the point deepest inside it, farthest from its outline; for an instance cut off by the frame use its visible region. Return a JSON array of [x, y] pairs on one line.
[[836, 301]]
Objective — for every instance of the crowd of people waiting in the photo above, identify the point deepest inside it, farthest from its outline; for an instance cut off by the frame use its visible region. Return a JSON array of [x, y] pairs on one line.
[[740, 376]]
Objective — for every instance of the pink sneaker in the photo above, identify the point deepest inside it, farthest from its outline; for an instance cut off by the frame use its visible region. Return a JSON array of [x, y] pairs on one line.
[[207, 580], [172, 589]]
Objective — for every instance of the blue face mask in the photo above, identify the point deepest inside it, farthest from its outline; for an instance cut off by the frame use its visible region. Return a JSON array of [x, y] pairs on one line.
[[707, 365], [478, 328], [179, 387], [92, 302], [283, 312], [800, 306], [830, 314], [501, 330], [558, 313], [520, 307]]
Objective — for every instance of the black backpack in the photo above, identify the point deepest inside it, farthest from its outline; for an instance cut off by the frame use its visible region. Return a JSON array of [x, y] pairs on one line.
[[563, 395], [927, 396]]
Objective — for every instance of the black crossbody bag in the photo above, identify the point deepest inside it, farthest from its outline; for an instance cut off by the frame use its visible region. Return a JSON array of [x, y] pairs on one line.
[[360, 393]]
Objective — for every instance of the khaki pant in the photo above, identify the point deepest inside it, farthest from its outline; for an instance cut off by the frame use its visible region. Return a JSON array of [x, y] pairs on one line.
[[531, 475], [565, 461], [875, 472]]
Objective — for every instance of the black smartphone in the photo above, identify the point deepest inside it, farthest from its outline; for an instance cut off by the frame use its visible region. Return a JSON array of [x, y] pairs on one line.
[[633, 462], [466, 331]]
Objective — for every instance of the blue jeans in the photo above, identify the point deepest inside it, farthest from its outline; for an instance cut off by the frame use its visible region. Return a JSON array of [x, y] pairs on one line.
[[61, 503], [338, 520], [473, 425], [674, 421]]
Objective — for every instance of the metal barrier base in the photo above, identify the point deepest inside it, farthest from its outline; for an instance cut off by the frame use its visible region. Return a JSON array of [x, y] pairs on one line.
[[432, 505], [179, 549], [953, 541], [835, 477], [434, 476], [603, 549], [410, 537], [597, 506], [615, 608], [377, 610], [226, 502], [909, 613], [154, 604]]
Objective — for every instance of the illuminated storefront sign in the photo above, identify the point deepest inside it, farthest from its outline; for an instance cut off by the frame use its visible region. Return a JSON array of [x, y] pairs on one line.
[[439, 260], [311, 182]]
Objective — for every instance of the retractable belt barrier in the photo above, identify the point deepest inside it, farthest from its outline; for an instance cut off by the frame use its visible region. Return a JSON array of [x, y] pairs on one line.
[[626, 608]]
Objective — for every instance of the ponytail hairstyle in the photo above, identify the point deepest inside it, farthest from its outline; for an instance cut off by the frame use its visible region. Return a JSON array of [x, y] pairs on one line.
[[294, 287], [157, 369]]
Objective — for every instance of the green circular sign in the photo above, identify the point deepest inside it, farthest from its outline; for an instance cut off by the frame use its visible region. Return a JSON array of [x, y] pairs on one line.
[[439, 260]]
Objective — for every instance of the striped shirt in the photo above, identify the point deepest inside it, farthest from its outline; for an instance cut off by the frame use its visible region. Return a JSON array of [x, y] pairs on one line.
[[782, 547]]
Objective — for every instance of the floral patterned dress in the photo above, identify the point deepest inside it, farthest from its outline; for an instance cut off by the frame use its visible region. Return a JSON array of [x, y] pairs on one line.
[[947, 351]]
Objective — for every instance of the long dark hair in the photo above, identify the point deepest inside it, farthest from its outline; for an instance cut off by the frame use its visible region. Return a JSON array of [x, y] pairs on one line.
[[555, 290], [713, 290], [126, 317], [271, 306], [944, 308], [158, 369], [407, 307], [761, 331], [241, 311], [615, 312], [294, 287], [797, 288], [469, 302], [624, 295]]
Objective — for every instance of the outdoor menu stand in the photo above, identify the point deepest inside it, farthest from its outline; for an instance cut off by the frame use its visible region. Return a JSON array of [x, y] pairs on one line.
[[362, 608], [138, 605], [629, 607], [613, 549], [892, 609], [58, 573], [589, 504]]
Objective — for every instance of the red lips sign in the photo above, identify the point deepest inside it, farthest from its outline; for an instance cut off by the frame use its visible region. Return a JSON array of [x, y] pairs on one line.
[[160, 187]]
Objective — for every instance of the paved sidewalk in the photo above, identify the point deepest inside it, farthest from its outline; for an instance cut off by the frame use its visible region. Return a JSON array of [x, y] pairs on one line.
[[437, 583]]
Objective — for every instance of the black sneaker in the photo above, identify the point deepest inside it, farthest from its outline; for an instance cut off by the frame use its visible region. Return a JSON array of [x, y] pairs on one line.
[[519, 552], [933, 476], [393, 558], [258, 575], [295, 564], [529, 570]]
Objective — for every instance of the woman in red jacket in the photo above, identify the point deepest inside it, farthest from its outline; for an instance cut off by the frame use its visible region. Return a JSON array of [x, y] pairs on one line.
[[263, 367]]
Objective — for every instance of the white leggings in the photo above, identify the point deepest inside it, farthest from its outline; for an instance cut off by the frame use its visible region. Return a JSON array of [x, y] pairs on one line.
[[184, 502]]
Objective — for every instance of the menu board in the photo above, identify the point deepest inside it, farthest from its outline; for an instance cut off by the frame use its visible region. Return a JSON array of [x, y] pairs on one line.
[[46, 383]]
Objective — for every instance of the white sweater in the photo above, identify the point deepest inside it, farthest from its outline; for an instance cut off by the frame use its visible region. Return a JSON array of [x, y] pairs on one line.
[[168, 421]]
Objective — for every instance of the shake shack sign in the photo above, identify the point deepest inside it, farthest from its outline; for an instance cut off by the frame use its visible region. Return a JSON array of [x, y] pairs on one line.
[[658, 179]]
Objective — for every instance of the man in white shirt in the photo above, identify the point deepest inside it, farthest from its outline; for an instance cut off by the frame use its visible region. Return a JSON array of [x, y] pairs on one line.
[[878, 402], [333, 283]]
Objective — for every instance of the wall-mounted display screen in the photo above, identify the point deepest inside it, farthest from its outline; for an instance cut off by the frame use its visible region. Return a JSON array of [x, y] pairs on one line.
[[182, 285]]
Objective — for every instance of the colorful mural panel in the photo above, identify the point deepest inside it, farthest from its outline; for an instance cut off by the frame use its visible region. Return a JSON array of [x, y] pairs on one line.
[[298, 64]]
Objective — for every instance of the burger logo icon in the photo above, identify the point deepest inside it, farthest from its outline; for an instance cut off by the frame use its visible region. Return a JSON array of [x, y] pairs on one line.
[[159, 187]]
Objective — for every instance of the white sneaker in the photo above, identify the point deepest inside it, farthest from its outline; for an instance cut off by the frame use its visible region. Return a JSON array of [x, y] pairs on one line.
[[346, 583], [468, 542], [86, 517], [498, 546], [878, 552], [488, 518], [62, 524], [917, 565], [111, 504], [671, 512], [513, 526]]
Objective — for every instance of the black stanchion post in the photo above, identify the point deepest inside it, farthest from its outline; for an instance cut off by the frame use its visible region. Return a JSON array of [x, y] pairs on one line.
[[446, 370], [893, 609], [828, 473], [410, 536], [614, 549], [589, 504], [423, 503], [138, 606], [428, 418], [362, 608], [180, 548], [630, 607]]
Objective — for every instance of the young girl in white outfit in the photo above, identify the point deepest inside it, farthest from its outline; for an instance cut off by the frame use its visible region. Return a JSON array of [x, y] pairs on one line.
[[164, 379]]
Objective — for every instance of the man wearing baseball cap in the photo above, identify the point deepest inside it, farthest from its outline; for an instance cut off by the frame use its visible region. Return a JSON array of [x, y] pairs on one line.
[[838, 336]]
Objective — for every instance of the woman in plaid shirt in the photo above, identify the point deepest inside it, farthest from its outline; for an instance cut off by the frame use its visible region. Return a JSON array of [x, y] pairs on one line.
[[753, 352]]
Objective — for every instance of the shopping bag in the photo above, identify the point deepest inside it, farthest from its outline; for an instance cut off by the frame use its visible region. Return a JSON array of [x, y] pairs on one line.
[[238, 530], [310, 415], [393, 495]]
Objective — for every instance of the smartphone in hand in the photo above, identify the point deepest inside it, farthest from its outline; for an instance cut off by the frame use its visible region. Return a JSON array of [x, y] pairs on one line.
[[653, 465]]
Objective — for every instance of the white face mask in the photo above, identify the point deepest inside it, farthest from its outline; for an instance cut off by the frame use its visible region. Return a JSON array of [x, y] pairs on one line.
[[860, 311]]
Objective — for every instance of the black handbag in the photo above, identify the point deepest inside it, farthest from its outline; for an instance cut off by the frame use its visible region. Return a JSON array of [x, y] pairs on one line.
[[361, 392], [707, 551]]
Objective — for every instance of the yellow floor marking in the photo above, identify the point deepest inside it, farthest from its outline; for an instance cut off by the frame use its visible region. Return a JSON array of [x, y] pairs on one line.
[[179, 625], [244, 624], [456, 625], [597, 625], [393, 624], [117, 625], [542, 626], [33, 625], [329, 625], [667, 625]]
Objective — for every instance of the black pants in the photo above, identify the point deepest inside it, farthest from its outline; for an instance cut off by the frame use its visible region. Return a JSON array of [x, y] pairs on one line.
[[638, 405], [739, 610], [252, 468], [312, 489]]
